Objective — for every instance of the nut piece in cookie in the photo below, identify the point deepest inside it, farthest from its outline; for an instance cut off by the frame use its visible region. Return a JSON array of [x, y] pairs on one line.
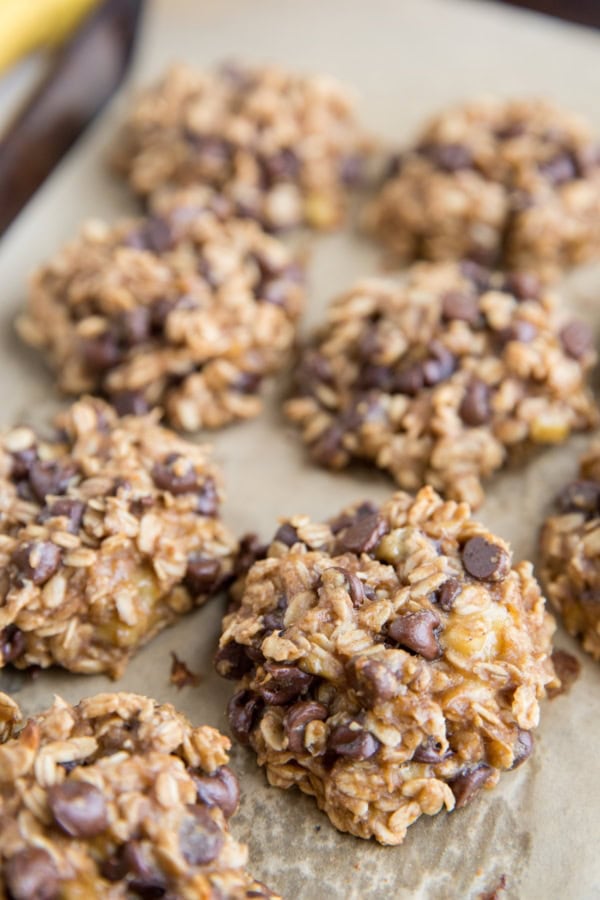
[[189, 309], [570, 554], [389, 662], [119, 796], [508, 183], [443, 378], [284, 148], [109, 533]]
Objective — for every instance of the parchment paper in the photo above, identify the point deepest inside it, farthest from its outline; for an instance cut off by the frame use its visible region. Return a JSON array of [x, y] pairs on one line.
[[406, 58]]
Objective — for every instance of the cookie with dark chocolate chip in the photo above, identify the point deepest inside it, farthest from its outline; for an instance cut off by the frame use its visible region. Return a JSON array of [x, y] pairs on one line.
[[365, 649], [109, 784]]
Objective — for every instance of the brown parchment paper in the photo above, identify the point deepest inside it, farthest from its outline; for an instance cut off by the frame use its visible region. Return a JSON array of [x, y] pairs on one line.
[[407, 58]]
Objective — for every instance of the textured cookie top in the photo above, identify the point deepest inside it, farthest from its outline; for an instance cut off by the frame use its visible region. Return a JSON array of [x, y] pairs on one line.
[[189, 308], [119, 797], [570, 553], [439, 378], [108, 532], [390, 661], [283, 146]]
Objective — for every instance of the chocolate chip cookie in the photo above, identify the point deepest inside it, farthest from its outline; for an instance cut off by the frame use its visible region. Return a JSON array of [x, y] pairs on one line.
[[109, 532], [443, 378], [389, 662], [512, 183], [188, 309], [119, 797], [570, 554], [285, 148]]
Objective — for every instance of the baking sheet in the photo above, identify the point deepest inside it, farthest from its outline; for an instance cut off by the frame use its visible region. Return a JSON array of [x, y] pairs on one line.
[[406, 58]]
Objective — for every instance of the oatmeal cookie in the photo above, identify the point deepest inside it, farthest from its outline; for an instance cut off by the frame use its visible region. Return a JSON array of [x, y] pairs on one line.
[[109, 532], [389, 662], [570, 554], [188, 309], [514, 183], [285, 148], [440, 379], [119, 797]]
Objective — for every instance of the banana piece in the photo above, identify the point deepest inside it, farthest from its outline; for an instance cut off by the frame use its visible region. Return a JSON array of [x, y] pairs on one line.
[[27, 25]]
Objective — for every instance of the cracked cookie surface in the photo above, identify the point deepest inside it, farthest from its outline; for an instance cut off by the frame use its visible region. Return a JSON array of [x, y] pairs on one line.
[[443, 378], [285, 148], [570, 554], [512, 183], [188, 309], [109, 533], [389, 662], [119, 797]]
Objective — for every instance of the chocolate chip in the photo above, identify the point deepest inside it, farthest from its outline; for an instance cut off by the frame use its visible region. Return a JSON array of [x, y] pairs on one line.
[[202, 574], [297, 718], [524, 285], [475, 406], [352, 170], [102, 352], [363, 535], [430, 752], [219, 789], [352, 743], [208, 498], [22, 461], [246, 383], [345, 519], [380, 377], [417, 632], [50, 477], [243, 711], [274, 620], [477, 274], [462, 306], [484, 560], [286, 534], [67, 508], [200, 838], [409, 380], [174, 477], [250, 550], [447, 593], [328, 448], [133, 326], [313, 370], [37, 561], [286, 682], [156, 234], [148, 880], [510, 131], [439, 365], [78, 808], [523, 748], [448, 157], [576, 339], [580, 497], [560, 169], [283, 165], [468, 783], [372, 680], [32, 875], [12, 643], [355, 586], [130, 403], [521, 330], [232, 661]]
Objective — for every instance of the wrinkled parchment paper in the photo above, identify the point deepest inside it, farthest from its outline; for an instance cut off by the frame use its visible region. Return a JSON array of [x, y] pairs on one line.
[[407, 58]]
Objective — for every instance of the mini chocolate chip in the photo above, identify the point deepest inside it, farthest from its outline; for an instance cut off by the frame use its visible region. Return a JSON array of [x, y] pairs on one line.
[[439, 365], [581, 497], [67, 508], [203, 574], [484, 560], [232, 661], [276, 291], [133, 326], [417, 632], [560, 169], [478, 275], [221, 789], [283, 165], [468, 783], [448, 157], [363, 535], [246, 382], [208, 498], [380, 377], [355, 586], [78, 808], [130, 403], [408, 381], [352, 743], [32, 875], [50, 477], [447, 593], [329, 447], [274, 619], [182, 481], [524, 285], [521, 330], [372, 680], [475, 406], [286, 534], [22, 461], [345, 519], [156, 234], [523, 747], [510, 131], [462, 306], [102, 352], [430, 752], [576, 339], [12, 643], [148, 880], [297, 718], [250, 550], [243, 711], [313, 369], [286, 682], [37, 561], [200, 838]]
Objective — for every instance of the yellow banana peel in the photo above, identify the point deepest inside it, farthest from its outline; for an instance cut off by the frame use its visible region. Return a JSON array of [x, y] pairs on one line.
[[27, 25]]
